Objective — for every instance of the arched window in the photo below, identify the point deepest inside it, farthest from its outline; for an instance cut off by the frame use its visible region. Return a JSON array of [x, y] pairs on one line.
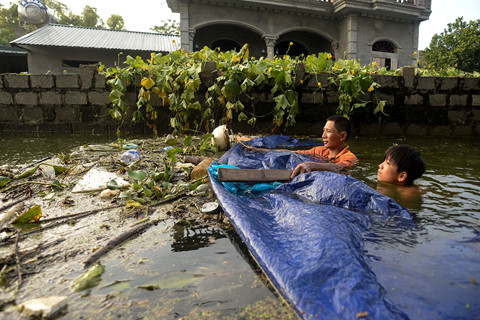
[[383, 46]]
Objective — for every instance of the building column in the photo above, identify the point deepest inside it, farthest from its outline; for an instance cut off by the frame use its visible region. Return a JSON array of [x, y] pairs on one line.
[[185, 42], [352, 36], [191, 37], [416, 28], [335, 45], [270, 42]]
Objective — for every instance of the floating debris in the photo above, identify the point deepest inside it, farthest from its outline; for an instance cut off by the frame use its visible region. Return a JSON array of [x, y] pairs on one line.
[[210, 207], [220, 137], [46, 307], [91, 278], [97, 180]]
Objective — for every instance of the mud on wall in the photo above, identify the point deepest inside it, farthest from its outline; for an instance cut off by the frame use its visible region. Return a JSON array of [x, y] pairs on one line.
[[416, 106]]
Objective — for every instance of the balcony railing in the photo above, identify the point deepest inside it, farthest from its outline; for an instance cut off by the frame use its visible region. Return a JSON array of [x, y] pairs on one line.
[[420, 3]]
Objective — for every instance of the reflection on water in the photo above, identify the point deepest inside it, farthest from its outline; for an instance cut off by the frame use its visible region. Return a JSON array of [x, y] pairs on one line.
[[22, 147], [188, 237], [211, 281]]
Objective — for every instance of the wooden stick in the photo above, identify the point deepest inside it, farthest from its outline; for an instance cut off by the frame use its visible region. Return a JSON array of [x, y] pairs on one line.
[[17, 260], [127, 235], [11, 204], [171, 199], [116, 241], [253, 175], [65, 219]]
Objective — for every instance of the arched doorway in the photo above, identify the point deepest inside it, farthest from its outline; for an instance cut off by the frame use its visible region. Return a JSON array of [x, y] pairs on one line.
[[292, 48], [304, 42], [229, 37], [226, 45]]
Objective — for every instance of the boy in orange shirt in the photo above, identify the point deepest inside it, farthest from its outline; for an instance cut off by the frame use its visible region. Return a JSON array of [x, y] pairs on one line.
[[334, 150]]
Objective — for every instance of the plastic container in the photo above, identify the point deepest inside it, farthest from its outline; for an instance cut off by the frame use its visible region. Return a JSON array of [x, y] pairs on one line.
[[129, 146], [130, 156]]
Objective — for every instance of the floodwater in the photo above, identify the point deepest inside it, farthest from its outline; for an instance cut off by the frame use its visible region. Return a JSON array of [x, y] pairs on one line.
[[434, 266], [203, 271]]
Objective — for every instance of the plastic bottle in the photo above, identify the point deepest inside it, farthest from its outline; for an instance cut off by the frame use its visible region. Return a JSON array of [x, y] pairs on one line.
[[130, 156]]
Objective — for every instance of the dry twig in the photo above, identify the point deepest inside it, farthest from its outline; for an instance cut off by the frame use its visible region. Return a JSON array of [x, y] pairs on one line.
[[17, 260]]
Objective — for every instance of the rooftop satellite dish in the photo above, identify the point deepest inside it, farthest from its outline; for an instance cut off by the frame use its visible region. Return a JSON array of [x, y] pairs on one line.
[[35, 12]]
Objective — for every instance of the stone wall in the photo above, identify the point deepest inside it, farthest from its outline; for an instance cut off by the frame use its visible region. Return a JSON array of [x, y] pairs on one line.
[[417, 106]]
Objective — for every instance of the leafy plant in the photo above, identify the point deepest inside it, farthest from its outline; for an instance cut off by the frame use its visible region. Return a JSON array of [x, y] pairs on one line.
[[353, 82], [175, 78]]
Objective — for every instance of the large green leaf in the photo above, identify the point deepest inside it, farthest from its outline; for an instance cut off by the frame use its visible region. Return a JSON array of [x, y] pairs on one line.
[[31, 215], [27, 173], [4, 181], [139, 175], [89, 279]]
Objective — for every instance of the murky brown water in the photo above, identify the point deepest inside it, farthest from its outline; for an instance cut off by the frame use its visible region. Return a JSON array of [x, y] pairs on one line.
[[197, 271]]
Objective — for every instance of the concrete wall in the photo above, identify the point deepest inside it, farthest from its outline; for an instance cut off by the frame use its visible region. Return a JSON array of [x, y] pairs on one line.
[[42, 60], [417, 106], [55, 103]]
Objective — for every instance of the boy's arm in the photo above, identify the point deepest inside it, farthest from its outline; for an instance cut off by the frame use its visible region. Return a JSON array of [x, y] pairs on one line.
[[315, 166], [263, 149]]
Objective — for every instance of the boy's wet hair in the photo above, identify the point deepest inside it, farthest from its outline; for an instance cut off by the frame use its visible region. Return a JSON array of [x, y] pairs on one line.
[[341, 124], [408, 159]]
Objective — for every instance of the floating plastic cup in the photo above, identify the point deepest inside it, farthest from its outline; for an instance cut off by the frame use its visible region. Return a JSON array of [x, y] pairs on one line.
[[130, 156]]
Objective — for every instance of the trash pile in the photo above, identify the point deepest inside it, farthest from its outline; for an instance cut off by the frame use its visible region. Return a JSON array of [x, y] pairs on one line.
[[65, 212]]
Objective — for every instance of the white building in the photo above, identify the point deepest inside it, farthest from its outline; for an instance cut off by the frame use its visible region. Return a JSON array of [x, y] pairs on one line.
[[385, 31]]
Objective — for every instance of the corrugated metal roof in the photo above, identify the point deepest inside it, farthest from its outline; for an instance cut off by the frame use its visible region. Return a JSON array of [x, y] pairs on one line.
[[12, 50], [57, 35]]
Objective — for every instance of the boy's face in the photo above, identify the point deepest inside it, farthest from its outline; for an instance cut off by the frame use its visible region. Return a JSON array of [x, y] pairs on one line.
[[332, 139], [388, 172]]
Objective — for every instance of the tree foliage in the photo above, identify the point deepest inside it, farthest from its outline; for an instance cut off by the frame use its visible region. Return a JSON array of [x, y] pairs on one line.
[[115, 22], [169, 26], [89, 18], [7, 24], [457, 46]]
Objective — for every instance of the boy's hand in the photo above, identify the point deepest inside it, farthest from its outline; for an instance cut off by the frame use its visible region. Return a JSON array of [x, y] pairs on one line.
[[244, 146], [303, 168]]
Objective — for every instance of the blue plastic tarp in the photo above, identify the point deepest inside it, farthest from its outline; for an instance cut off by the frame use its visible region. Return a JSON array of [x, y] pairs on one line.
[[308, 234]]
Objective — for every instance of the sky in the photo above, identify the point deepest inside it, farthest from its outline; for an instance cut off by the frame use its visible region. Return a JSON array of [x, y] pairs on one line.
[[141, 15]]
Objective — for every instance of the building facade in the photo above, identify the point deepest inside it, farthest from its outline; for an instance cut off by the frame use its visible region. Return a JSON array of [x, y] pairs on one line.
[[384, 31]]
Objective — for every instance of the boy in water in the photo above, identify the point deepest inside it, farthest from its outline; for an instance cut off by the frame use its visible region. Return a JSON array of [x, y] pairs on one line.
[[402, 165], [334, 150]]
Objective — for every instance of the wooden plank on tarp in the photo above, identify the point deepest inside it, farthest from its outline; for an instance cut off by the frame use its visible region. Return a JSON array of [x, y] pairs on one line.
[[253, 175]]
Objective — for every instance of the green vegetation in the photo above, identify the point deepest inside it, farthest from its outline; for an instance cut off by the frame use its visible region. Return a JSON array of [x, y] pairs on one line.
[[176, 79], [457, 46], [169, 26], [115, 22]]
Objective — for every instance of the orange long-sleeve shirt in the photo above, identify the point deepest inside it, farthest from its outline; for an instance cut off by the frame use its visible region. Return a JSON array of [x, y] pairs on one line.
[[345, 158]]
